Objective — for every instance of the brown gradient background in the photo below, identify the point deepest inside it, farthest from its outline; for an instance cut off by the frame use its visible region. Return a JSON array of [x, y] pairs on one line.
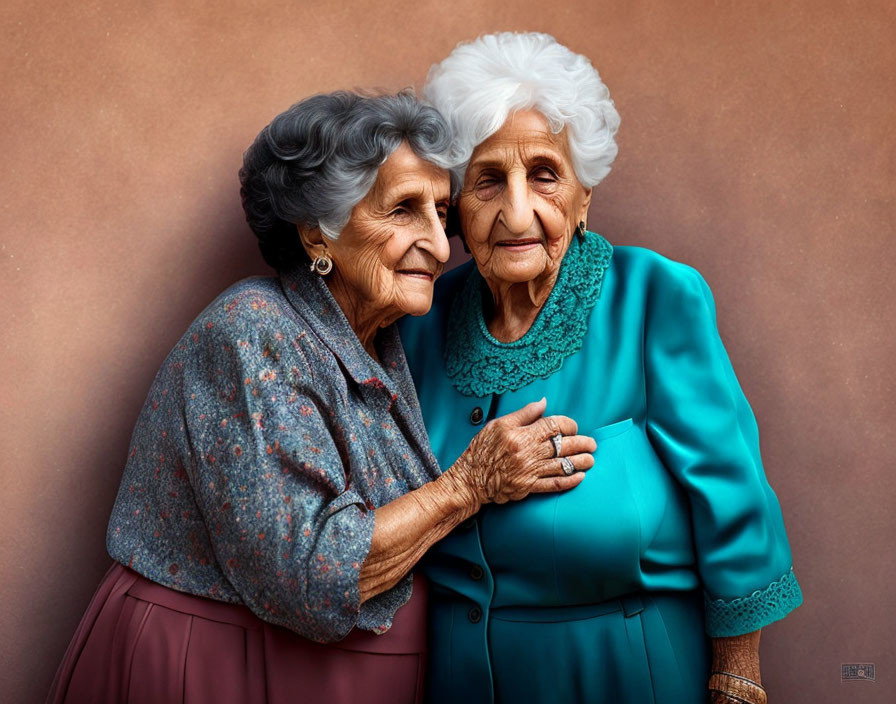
[[757, 144]]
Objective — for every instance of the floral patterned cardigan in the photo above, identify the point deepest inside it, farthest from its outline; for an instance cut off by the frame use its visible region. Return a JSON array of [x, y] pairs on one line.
[[267, 439]]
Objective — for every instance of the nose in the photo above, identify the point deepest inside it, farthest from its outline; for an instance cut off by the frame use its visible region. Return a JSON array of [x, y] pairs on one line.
[[517, 211], [433, 239]]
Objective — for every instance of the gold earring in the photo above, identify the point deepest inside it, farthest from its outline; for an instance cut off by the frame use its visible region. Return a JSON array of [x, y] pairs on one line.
[[580, 230], [322, 264]]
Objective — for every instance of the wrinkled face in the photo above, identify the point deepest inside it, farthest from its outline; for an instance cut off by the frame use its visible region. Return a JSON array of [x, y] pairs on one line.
[[521, 200], [394, 245]]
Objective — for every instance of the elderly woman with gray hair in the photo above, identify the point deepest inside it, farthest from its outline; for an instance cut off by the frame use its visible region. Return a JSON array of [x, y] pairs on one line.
[[651, 580], [280, 484]]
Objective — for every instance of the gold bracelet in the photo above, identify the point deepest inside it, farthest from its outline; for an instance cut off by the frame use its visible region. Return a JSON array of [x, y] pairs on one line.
[[737, 687], [730, 697], [740, 677]]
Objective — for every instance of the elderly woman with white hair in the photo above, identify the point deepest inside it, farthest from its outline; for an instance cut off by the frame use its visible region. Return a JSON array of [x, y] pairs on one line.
[[280, 486], [650, 580]]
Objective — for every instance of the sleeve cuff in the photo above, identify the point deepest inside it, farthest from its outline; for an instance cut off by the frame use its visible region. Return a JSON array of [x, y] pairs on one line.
[[734, 617], [377, 613]]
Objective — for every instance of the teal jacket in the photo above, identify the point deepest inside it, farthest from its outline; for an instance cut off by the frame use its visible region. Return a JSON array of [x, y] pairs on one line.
[[677, 506]]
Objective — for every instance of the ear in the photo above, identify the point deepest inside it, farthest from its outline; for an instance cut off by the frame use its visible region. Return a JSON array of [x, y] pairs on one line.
[[583, 215], [312, 240]]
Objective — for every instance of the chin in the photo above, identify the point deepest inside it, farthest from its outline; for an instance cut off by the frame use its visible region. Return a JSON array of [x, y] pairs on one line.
[[520, 271], [417, 305]]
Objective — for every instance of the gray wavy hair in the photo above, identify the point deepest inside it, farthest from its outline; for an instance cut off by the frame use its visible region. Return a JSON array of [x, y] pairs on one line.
[[483, 81], [317, 160]]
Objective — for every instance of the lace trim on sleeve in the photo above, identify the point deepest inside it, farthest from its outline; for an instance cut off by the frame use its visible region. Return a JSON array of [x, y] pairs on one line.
[[733, 617]]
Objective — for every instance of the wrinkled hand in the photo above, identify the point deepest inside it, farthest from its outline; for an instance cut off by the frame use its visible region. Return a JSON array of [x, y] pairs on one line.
[[512, 456]]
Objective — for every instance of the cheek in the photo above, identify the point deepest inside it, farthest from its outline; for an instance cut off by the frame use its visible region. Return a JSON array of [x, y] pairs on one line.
[[375, 267], [476, 220], [364, 258], [565, 202], [476, 217], [395, 249], [561, 211]]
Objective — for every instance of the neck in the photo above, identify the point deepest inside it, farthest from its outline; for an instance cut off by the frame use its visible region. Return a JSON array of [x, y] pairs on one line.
[[516, 305], [365, 317]]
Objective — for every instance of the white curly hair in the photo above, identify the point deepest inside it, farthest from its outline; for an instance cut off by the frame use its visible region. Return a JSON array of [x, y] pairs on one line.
[[479, 84]]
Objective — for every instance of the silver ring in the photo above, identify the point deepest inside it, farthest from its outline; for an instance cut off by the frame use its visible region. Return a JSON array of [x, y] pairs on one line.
[[558, 443], [567, 466]]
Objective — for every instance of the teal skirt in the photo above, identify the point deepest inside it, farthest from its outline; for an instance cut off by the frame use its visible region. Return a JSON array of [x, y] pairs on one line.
[[643, 648]]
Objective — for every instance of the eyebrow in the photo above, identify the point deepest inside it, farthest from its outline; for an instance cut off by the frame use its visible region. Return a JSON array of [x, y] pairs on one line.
[[412, 195], [537, 154]]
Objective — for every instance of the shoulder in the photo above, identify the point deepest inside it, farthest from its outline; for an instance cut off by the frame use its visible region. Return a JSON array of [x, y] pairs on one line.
[[244, 306], [254, 309], [674, 295], [662, 279], [632, 260], [249, 325]]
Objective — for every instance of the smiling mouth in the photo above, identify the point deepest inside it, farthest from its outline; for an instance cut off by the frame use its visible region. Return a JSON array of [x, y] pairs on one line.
[[523, 244], [418, 273]]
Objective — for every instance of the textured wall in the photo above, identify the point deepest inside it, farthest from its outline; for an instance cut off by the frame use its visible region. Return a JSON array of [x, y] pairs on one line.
[[756, 144]]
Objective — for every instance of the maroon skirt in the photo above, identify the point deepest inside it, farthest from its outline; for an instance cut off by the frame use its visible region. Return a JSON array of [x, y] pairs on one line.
[[142, 642]]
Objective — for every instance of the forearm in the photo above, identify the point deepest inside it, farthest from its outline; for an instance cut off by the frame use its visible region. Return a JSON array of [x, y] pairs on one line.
[[738, 655], [407, 527]]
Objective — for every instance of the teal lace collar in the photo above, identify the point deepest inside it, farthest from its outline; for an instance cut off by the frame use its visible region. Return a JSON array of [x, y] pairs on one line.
[[479, 365]]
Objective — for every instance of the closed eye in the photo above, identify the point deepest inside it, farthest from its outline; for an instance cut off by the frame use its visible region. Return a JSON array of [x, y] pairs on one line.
[[544, 174], [401, 210], [544, 180], [488, 185]]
